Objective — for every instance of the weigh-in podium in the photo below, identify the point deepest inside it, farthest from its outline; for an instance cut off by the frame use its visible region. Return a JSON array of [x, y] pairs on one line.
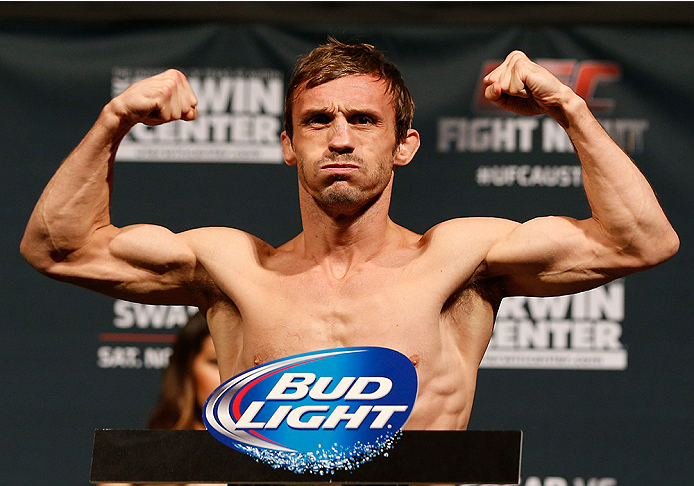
[[195, 456]]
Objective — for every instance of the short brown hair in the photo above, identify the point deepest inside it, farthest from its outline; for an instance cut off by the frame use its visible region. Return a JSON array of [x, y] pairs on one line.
[[335, 60]]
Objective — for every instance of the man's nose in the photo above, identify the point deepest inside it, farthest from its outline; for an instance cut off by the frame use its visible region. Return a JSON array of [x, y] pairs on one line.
[[341, 139]]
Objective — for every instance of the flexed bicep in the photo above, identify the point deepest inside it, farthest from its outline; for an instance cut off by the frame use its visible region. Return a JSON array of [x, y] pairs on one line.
[[557, 255], [69, 235], [142, 263], [628, 230]]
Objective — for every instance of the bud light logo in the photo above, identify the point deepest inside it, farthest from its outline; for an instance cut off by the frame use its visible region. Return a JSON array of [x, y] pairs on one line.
[[316, 412]]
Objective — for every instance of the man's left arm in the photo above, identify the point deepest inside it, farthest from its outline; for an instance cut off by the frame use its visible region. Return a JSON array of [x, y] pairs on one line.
[[628, 230]]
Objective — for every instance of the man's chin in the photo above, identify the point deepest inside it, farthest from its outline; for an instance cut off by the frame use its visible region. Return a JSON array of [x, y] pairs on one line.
[[347, 202], [343, 200]]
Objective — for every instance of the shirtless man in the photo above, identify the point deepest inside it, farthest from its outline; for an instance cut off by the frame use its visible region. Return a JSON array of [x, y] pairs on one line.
[[352, 277]]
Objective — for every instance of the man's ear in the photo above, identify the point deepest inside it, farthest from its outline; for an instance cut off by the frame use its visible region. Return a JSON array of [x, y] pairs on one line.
[[408, 148], [287, 149]]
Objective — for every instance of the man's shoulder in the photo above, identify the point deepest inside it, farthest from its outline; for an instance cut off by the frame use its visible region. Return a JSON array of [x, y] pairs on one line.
[[220, 239], [464, 242], [472, 229]]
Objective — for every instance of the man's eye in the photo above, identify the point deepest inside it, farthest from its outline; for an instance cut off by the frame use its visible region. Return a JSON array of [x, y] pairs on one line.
[[362, 120], [318, 120]]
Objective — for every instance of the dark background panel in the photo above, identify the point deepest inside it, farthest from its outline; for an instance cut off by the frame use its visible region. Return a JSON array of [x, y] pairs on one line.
[[56, 60]]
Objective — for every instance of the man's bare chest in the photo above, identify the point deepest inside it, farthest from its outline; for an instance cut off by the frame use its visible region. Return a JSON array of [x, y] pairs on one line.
[[281, 313], [375, 299]]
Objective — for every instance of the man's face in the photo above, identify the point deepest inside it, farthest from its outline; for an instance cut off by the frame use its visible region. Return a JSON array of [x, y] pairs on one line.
[[344, 141]]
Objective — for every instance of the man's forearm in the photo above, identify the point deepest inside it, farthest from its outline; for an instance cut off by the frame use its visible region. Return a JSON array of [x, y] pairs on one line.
[[76, 200], [621, 199]]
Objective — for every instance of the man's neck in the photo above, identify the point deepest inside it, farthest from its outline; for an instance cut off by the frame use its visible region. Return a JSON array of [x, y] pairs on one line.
[[339, 239]]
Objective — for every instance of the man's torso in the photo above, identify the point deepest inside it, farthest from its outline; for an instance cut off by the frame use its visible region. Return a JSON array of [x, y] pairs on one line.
[[414, 298]]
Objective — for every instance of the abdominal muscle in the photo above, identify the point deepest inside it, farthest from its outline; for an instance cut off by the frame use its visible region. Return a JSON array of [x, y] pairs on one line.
[[446, 373]]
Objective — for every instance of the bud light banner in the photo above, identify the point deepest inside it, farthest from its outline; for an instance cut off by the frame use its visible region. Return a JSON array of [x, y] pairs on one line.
[[316, 412]]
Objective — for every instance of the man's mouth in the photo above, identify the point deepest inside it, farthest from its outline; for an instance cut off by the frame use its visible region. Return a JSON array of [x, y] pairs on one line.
[[339, 167]]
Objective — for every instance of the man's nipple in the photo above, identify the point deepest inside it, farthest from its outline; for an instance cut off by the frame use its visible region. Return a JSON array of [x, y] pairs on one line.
[[415, 359], [257, 359]]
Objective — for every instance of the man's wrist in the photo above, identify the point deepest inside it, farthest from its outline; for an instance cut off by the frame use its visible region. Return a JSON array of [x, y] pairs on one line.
[[114, 119], [569, 108]]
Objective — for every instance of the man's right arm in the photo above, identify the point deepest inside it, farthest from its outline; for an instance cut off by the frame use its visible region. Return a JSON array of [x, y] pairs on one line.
[[70, 236]]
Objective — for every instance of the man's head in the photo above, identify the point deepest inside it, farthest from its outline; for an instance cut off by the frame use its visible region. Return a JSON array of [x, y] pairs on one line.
[[334, 60]]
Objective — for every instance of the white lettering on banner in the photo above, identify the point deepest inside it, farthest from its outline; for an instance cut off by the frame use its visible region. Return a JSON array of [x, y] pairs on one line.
[[579, 331], [294, 416], [157, 358], [524, 135], [132, 357], [629, 134], [131, 317], [297, 386], [118, 357], [529, 175], [239, 119], [301, 388], [486, 134], [146, 316]]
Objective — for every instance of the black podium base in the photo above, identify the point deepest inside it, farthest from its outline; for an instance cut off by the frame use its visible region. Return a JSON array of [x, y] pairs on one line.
[[195, 456]]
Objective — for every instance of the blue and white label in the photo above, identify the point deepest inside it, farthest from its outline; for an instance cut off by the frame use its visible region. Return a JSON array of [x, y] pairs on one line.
[[316, 412]]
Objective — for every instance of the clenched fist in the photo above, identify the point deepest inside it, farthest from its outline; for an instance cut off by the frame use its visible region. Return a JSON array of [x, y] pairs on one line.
[[156, 100], [523, 87]]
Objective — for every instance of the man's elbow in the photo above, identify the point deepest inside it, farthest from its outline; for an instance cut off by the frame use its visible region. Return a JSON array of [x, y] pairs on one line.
[[38, 255], [34, 258], [670, 246], [660, 250]]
